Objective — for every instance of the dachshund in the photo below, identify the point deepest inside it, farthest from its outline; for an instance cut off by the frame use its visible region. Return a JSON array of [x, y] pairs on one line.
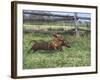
[[55, 44]]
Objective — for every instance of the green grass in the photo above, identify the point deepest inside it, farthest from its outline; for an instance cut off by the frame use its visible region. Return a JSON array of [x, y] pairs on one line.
[[53, 26], [77, 55]]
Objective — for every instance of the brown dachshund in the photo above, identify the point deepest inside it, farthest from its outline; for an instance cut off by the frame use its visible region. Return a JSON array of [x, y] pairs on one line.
[[55, 44]]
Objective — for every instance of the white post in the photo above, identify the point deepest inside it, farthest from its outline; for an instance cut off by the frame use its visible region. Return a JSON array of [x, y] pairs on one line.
[[76, 25]]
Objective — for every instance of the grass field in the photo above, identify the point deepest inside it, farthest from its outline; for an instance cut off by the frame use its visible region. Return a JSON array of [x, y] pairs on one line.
[[77, 55], [54, 26]]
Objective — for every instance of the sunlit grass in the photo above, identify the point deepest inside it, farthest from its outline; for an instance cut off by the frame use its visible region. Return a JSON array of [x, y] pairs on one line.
[[54, 26]]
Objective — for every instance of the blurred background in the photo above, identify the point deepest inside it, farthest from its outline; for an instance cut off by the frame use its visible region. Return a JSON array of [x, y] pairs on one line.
[[56, 21]]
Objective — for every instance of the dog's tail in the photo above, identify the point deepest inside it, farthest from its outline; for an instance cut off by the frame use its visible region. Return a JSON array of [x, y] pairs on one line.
[[32, 41]]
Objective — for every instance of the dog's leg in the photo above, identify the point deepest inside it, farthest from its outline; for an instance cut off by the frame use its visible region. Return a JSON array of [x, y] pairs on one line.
[[60, 48], [34, 51], [29, 50]]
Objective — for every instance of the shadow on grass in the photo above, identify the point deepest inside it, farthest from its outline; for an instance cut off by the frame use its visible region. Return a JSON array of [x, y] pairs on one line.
[[51, 51], [45, 52]]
